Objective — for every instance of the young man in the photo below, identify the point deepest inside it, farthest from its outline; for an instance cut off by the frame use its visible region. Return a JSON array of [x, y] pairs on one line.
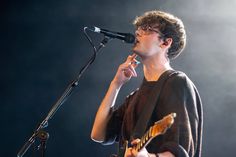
[[160, 37]]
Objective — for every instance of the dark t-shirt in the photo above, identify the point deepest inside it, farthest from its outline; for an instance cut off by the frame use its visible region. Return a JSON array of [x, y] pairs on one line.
[[178, 95]]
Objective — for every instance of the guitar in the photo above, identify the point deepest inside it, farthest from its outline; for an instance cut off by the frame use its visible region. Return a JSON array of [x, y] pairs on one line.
[[159, 128]]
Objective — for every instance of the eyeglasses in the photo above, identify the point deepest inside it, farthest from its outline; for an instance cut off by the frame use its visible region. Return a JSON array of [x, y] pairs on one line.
[[146, 30]]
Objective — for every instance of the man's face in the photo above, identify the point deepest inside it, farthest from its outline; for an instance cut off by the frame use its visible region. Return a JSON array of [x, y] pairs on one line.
[[148, 41]]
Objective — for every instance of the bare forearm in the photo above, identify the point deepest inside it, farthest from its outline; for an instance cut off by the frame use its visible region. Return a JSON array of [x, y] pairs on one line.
[[103, 113], [123, 74]]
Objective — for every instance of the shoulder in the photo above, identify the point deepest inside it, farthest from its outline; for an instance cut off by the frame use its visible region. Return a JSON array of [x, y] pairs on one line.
[[178, 77], [179, 80]]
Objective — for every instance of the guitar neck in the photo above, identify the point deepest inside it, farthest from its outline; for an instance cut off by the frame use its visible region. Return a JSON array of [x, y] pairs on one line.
[[158, 128], [146, 138]]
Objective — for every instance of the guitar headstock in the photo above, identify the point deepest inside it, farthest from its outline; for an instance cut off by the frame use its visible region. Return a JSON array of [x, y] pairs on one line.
[[161, 126]]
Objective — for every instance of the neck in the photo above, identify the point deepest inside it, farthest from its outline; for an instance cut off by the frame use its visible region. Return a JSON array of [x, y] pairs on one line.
[[153, 67]]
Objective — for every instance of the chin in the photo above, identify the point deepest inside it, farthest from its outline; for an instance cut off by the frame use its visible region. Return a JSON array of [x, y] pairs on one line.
[[139, 53], [136, 50]]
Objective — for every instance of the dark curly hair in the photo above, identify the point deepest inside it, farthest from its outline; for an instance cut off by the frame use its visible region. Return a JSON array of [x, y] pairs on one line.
[[169, 26]]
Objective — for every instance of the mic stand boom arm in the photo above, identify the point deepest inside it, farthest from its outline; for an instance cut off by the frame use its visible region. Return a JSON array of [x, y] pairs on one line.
[[63, 97]]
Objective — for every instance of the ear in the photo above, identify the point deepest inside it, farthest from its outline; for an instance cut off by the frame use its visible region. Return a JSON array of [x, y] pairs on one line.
[[166, 43]]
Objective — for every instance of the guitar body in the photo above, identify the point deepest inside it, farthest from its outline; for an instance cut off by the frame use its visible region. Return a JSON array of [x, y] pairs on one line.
[[159, 128]]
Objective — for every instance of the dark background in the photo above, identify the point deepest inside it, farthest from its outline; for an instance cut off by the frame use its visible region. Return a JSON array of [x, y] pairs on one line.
[[43, 48]]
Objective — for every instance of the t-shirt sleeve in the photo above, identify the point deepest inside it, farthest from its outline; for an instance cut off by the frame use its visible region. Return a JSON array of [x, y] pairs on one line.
[[114, 125], [179, 96], [113, 130]]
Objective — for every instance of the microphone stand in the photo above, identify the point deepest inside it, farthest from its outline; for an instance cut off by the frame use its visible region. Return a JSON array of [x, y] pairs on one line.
[[39, 131]]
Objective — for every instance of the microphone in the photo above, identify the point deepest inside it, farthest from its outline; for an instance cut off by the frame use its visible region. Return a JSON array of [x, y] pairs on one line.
[[126, 37]]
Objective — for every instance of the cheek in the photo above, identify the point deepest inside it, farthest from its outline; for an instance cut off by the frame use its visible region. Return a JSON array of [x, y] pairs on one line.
[[151, 44]]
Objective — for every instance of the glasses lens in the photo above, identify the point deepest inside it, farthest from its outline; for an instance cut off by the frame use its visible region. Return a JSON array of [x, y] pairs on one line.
[[146, 30]]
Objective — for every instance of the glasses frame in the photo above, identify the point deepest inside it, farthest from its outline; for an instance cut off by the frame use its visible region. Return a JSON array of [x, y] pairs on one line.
[[146, 30]]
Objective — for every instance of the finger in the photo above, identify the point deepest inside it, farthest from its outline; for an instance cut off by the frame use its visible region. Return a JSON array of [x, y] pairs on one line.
[[128, 152], [133, 70], [136, 141], [129, 66], [131, 57], [128, 69], [129, 73], [135, 63], [133, 152]]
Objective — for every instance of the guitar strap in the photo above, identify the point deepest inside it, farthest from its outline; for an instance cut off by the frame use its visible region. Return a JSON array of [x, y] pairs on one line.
[[146, 113]]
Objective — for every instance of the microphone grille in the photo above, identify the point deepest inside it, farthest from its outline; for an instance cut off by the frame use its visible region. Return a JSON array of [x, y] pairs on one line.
[[129, 38]]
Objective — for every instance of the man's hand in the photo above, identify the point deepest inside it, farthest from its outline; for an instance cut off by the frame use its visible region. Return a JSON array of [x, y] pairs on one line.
[[130, 152], [126, 70]]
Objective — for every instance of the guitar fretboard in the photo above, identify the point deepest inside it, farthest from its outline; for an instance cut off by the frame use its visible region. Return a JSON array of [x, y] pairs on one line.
[[158, 128], [146, 138]]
